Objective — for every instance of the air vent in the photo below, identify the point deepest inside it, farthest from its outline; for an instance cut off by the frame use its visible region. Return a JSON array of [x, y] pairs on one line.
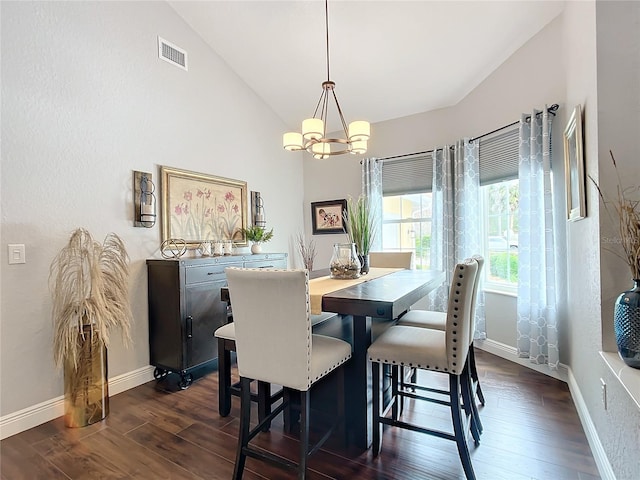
[[171, 53]]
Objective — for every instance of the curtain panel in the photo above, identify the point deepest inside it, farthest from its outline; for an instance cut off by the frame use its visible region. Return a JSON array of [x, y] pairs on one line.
[[537, 327], [456, 219]]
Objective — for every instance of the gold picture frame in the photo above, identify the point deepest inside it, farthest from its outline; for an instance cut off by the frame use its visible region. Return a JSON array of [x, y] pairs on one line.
[[574, 167], [197, 207]]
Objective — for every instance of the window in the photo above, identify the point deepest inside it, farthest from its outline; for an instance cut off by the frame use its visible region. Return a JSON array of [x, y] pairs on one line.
[[500, 214], [406, 225], [498, 158], [406, 212]]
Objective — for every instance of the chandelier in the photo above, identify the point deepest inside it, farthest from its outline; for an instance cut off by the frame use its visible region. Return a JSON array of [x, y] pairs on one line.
[[314, 130]]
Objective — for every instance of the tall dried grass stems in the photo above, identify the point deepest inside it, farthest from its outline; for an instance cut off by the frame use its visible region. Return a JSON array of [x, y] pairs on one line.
[[307, 251], [358, 218], [89, 286], [627, 211]]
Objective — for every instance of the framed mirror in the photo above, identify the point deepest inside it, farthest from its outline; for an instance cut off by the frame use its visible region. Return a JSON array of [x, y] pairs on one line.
[[574, 167]]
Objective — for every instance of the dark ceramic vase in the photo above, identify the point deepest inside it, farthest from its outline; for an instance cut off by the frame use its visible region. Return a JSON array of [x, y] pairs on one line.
[[364, 262], [626, 322]]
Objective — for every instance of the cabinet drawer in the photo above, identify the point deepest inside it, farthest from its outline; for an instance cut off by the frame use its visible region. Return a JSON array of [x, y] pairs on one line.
[[204, 273], [275, 263]]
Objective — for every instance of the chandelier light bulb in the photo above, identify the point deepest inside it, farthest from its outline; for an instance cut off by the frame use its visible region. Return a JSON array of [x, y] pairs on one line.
[[321, 150], [359, 147], [292, 141], [312, 128], [359, 131]]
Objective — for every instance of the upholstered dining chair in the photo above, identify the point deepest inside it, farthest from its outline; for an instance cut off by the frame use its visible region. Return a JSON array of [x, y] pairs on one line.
[[274, 344], [226, 336], [443, 351], [391, 259], [438, 320]]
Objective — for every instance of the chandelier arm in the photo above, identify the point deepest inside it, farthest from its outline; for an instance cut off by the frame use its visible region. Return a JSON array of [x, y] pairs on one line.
[[322, 95], [344, 124], [325, 114]]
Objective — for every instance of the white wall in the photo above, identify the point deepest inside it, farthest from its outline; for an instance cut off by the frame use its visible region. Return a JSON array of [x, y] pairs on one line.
[[85, 101], [602, 56]]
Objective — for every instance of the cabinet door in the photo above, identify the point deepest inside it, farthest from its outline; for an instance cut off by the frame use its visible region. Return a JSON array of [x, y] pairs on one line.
[[205, 312]]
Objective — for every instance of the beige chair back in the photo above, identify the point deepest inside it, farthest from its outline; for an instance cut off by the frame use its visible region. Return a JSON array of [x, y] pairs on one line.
[[459, 314], [391, 259], [273, 329], [476, 288]]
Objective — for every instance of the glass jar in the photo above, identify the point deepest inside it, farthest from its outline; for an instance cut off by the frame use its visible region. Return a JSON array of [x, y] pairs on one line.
[[344, 261]]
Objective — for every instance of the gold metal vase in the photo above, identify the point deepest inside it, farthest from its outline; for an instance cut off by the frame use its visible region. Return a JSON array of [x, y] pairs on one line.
[[86, 386]]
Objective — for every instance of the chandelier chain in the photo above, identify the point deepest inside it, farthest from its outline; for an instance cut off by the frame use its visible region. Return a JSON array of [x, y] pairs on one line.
[[326, 25]]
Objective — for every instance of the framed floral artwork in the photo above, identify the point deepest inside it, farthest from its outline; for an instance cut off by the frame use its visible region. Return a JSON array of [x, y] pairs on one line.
[[198, 207], [327, 216]]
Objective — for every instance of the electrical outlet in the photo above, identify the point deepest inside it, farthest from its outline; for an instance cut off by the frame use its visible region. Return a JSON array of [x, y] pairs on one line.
[[16, 253], [604, 392]]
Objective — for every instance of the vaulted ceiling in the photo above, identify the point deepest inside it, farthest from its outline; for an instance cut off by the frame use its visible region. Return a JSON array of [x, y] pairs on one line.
[[389, 59]]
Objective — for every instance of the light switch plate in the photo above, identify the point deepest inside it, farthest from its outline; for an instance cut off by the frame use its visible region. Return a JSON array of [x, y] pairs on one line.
[[16, 253]]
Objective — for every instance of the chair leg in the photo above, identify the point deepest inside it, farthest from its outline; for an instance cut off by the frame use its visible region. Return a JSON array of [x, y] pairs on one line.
[[224, 379], [245, 419], [458, 426], [304, 433], [264, 403], [474, 374], [469, 404], [377, 426], [395, 398]]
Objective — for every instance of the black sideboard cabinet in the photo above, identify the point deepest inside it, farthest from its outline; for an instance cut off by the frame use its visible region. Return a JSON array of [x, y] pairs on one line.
[[185, 309]]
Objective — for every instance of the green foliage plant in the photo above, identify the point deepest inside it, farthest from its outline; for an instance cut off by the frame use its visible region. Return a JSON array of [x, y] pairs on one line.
[[358, 219], [257, 234]]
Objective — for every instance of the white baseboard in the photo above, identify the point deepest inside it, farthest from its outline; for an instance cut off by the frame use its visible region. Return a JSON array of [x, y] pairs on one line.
[[35, 415], [599, 455], [564, 373], [510, 353]]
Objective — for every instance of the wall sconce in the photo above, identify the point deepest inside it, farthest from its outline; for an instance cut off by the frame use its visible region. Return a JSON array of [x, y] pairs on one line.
[[257, 210], [144, 204]]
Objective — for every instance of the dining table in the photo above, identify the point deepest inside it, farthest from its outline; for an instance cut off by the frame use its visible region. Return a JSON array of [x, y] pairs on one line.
[[382, 295]]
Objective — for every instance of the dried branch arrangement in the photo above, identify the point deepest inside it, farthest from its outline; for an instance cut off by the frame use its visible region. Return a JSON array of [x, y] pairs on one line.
[[89, 287], [627, 210], [307, 251]]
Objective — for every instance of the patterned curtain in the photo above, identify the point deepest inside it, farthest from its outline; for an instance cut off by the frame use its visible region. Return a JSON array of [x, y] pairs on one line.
[[456, 222], [537, 315], [372, 191]]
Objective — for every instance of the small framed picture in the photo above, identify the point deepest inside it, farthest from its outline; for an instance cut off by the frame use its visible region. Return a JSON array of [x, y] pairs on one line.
[[574, 167], [327, 217]]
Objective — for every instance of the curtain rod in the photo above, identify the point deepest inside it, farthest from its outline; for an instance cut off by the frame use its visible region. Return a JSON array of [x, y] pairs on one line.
[[552, 110]]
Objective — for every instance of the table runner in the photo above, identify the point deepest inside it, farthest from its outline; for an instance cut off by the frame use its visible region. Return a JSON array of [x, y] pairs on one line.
[[323, 285]]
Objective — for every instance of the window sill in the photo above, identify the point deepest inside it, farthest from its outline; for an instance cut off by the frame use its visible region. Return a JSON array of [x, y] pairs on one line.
[[500, 292], [627, 376]]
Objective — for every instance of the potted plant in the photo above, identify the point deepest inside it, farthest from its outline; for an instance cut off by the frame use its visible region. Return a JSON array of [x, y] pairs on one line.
[[627, 306], [89, 289], [358, 219], [257, 236]]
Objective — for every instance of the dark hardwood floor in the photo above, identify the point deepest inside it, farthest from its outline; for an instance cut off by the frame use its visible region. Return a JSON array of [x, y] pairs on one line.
[[156, 431]]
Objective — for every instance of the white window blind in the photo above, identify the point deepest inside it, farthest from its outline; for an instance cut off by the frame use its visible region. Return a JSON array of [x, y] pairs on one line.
[[498, 157], [407, 175]]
